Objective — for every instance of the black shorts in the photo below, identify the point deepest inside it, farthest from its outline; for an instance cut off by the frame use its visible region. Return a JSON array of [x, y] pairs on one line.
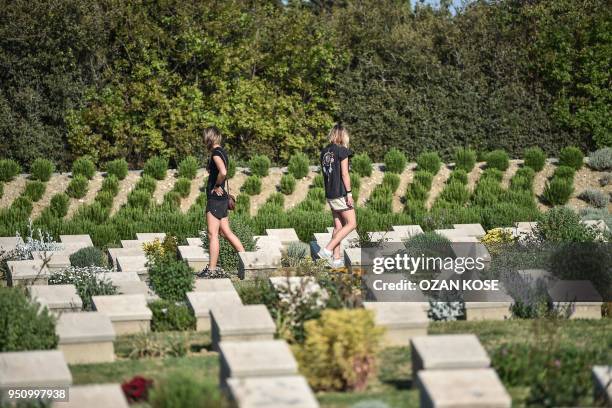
[[218, 207]]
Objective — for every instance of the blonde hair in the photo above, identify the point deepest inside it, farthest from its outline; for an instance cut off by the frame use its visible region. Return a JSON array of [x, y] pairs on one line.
[[212, 137], [339, 135]]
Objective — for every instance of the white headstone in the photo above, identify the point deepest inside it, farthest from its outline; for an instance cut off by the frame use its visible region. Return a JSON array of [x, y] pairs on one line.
[[277, 392], [448, 351], [57, 298], [34, 369]]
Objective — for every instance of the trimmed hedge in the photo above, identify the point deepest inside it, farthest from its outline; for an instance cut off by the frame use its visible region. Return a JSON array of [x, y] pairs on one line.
[[572, 157], [298, 165], [9, 169], [429, 161], [535, 158], [34, 190], [59, 205], [395, 161], [465, 159], [259, 165], [117, 168], [498, 159], [84, 166], [558, 191], [182, 186], [78, 186], [287, 184], [252, 185], [188, 167], [156, 167]]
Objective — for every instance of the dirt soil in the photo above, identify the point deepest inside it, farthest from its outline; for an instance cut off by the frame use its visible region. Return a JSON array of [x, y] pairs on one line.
[[405, 180], [369, 183], [437, 185], [125, 186], [12, 190], [301, 190], [269, 185], [474, 175]]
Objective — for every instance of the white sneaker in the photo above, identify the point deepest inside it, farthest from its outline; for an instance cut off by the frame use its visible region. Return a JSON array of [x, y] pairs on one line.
[[327, 256], [338, 263]]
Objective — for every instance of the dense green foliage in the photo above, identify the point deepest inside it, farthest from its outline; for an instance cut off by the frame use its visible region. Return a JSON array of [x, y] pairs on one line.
[[430, 162], [259, 165], [59, 205], [465, 159], [298, 165], [156, 167], [78, 186], [535, 158], [171, 279], [42, 169], [169, 315], [84, 166], [497, 159], [362, 165], [34, 190], [287, 184], [117, 168], [188, 167], [89, 256], [572, 157], [395, 160], [252, 185], [9, 169]]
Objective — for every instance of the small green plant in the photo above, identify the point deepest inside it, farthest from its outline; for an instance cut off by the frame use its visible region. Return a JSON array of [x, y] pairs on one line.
[[252, 185], [88, 281], [572, 157], [562, 224], [9, 168], [188, 167], [84, 166], [320, 183], [181, 389], [34, 190], [287, 184], [416, 192], [535, 158], [595, 198], [391, 180], [183, 186], [424, 178], [105, 198], [1, 189], [259, 165], [89, 256], [59, 205], [156, 167], [22, 204], [458, 176], [94, 212], [231, 169], [316, 194], [146, 183], [455, 192], [340, 350], [78, 186], [117, 168], [494, 174], [520, 183], [110, 185], [42, 169], [362, 165], [299, 165], [429, 161], [139, 199], [171, 316], [276, 199], [24, 326], [498, 159], [395, 160], [558, 191], [565, 172], [243, 204], [601, 160], [172, 199], [171, 279], [465, 159]]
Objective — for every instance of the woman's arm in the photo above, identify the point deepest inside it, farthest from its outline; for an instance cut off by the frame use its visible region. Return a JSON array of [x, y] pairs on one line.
[[346, 179], [222, 174]]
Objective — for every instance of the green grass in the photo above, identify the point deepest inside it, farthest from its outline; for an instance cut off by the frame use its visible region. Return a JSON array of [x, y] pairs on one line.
[[393, 384]]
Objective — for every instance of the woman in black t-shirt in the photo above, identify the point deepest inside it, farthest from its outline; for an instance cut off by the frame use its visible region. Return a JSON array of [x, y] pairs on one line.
[[217, 201], [335, 167]]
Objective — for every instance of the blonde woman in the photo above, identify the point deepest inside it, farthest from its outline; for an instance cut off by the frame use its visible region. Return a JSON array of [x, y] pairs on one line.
[[217, 203], [335, 168]]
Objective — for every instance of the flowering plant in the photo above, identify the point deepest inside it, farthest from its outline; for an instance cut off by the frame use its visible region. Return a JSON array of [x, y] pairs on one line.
[[137, 389]]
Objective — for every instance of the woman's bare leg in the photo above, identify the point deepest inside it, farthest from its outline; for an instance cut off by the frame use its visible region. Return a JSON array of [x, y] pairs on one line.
[[349, 223], [213, 225], [337, 228], [227, 232]]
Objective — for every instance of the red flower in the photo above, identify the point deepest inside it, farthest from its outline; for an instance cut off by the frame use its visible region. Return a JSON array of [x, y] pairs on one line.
[[137, 389]]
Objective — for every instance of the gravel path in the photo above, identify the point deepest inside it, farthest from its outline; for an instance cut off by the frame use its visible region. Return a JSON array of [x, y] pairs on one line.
[[437, 185], [12, 190], [369, 183], [165, 185], [268, 186], [301, 190], [405, 180], [125, 186]]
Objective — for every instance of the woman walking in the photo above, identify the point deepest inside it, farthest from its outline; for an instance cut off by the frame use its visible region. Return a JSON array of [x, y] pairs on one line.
[[217, 203], [335, 168]]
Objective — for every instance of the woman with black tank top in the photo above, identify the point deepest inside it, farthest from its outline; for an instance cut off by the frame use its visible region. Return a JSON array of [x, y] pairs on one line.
[[217, 202]]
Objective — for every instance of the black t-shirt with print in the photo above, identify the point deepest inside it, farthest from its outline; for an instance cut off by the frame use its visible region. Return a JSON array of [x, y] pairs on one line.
[[213, 173], [331, 156]]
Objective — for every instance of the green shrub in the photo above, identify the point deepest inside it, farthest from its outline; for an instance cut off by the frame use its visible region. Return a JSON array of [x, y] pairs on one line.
[[416, 192], [562, 224], [355, 185], [183, 186], [558, 191], [488, 192], [156, 167], [117, 168], [252, 185], [316, 194], [565, 172], [259, 165], [181, 389], [94, 212], [59, 205], [459, 176], [9, 169], [455, 192], [572, 157], [88, 281], [287, 184], [493, 174], [391, 180], [299, 165], [171, 316], [381, 203], [171, 279], [595, 198], [110, 185], [139, 199], [535, 158], [415, 209], [231, 169], [172, 199], [22, 203], [395, 161], [228, 258], [362, 165], [520, 183], [1, 189], [526, 172], [78, 186], [498, 159], [42, 169], [276, 199], [601, 160], [34, 190], [188, 167], [243, 204], [24, 326], [84, 166], [146, 183], [429, 161], [89, 256], [318, 180], [465, 159], [340, 350], [424, 178]]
